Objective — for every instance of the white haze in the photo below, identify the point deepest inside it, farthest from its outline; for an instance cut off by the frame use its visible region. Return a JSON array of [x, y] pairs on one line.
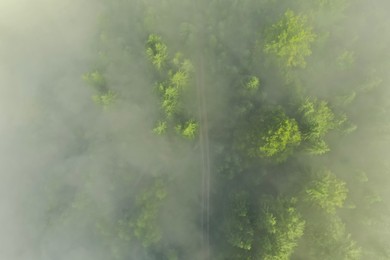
[[46, 109], [44, 45]]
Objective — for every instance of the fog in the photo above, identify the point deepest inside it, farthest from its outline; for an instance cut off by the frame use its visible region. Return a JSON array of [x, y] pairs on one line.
[[86, 175]]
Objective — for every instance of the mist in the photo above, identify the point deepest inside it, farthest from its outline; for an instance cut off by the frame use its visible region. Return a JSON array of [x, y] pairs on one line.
[[145, 129]]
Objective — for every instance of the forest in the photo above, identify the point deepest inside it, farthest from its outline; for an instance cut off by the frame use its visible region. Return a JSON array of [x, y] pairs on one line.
[[195, 130]]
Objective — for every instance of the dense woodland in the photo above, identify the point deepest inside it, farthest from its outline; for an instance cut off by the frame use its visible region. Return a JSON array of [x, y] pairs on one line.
[[287, 102]]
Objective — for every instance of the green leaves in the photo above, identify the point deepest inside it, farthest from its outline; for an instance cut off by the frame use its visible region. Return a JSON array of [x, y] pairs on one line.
[[188, 130], [290, 40], [346, 60], [266, 230], [273, 136], [326, 192], [316, 120], [280, 137], [105, 99], [156, 51], [326, 236], [95, 79], [281, 227], [239, 230], [261, 128], [161, 128], [145, 226], [105, 96], [253, 83], [174, 79], [179, 78], [170, 101], [328, 239]]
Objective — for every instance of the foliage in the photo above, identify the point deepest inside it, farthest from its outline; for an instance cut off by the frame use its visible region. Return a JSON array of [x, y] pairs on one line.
[[170, 101], [346, 60], [326, 192], [248, 95], [335, 5], [278, 139], [327, 239], [290, 40], [253, 83], [188, 130], [105, 99], [175, 76], [326, 236], [281, 226], [160, 128], [156, 51], [239, 229], [257, 121], [270, 230], [273, 136], [316, 119], [95, 79], [145, 224]]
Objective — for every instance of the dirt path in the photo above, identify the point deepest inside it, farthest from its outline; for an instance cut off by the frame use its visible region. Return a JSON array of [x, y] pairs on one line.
[[205, 159]]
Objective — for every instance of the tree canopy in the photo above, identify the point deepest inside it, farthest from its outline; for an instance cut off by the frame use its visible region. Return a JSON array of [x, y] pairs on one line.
[[290, 40], [223, 130]]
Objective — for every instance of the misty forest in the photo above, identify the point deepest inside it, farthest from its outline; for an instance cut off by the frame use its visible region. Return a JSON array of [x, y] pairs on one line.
[[208, 129]]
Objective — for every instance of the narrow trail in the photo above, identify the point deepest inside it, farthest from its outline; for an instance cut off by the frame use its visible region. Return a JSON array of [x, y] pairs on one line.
[[205, 159], [204, 142]]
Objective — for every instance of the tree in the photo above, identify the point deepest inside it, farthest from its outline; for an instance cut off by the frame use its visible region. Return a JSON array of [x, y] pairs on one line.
[[144, 225], [325, 235], [156, 51], [105, 99], [290, 40], [269, 230], [316, 119], [326, 238], [247, 96], [272, 135], [174, 78], [96, 80], [326, 192], [251, 132], [280, 226], [239, 229], [188, 130]]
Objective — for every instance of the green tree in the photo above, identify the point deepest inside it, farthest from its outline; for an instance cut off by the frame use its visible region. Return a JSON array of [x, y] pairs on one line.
[[280, 227], [156, 51], [290, 40], [269, 230], [188, 130], [326, 238], [316, 119], [95, 79], [145, 223], [252, 130], [239, 229], [174, 80], [326, 192], [272, 135], [105, 99]]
